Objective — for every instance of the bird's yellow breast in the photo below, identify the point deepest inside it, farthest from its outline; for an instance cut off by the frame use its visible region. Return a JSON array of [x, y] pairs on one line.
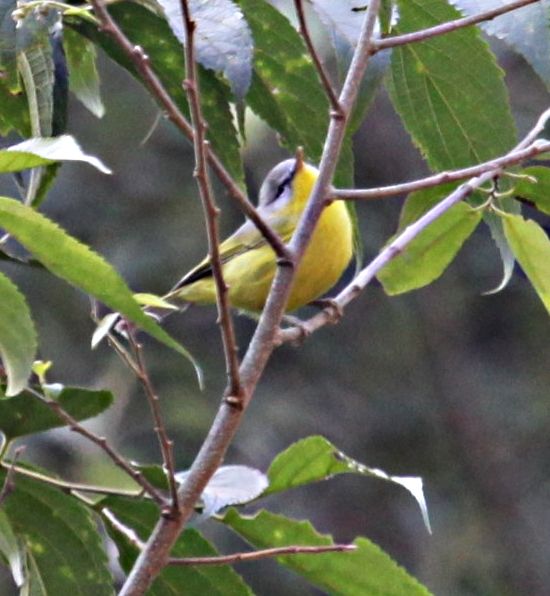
[[249, 263], [250, 275]]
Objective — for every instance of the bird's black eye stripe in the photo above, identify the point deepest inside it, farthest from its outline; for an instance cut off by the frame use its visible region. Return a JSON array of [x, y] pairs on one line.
[[283, 185]]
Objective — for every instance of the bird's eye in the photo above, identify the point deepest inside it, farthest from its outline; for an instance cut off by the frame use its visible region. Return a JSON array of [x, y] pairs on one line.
[[282, 186]]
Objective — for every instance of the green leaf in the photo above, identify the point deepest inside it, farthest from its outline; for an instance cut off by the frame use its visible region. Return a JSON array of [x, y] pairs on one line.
[[285, 76], [14, 115], [367, 570], [152, 33], [61, 540], [314, 459], [223, 41], [77, 264], [531, 248], [44, 151], [524, 30], [537, 192], [455, 107], [429, 254], [24, 414], [141, 516], [17, 336], [12, 550], [35, 64], [83, 76]]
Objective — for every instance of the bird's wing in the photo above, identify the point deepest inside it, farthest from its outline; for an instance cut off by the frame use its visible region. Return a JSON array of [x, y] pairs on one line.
[[244, 239]]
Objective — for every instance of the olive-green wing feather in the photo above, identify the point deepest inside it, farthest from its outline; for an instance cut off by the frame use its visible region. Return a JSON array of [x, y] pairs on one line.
[[246, 238]]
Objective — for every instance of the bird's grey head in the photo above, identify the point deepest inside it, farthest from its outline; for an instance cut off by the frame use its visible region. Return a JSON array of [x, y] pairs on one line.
[[277, 185]]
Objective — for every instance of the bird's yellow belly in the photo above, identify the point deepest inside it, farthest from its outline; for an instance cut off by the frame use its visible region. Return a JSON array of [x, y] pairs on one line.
[[249, 276]]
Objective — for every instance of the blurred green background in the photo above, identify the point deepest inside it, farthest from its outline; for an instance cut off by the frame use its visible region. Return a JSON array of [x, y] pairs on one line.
[[445, 382]]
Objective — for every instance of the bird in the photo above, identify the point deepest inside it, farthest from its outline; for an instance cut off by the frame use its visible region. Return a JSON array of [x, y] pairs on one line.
[[248, 261]]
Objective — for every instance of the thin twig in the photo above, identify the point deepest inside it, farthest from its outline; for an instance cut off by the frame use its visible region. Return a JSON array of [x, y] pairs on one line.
[[9, 484], [304, 32], [142, 65], [166, 444], [262, 554], [367, 194], [103, 444], [448, 27], [211, 212], [69, 487], [398, 245]]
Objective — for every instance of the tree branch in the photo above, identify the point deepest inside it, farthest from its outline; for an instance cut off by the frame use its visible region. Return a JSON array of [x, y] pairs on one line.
[[407, 38], [262, 554], [368, 194], [304, 32], [155, 555], [103, 444], [211, 211], [165, 443], [9, 484], [397, 246], [142, 65]]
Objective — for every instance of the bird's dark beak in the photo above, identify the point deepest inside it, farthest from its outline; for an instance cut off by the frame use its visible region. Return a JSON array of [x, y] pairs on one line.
[[299, 159]]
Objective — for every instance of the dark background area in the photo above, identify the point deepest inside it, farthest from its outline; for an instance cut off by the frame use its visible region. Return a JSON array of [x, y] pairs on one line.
[[444, 382]]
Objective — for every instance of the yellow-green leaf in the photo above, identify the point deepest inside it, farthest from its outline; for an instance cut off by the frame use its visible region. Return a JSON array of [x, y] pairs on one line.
[[429, 254], [531, 247]]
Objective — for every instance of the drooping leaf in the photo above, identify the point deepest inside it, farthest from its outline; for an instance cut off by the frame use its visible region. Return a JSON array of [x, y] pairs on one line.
[[8, 45], [429, 254], [24, 414], [74, 262], [314, 459], [531, 248], [367, 570], [84, 78], [18, 341], [230, 485], [60, 538], [12, 550], [141, 516], [535, 191], [438, 86], [43, 151], [152, 33], [14, 115], [525, 30], [223, 41]]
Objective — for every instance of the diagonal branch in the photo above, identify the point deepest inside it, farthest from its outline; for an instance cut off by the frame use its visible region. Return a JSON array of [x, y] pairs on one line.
[[304, 32], [165, 443], [103, 444], [142, 65], [262, 554], [422, 35], [211, 211]]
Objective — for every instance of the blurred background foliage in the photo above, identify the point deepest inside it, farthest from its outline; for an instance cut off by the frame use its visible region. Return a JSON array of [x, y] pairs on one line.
[[444, 382]]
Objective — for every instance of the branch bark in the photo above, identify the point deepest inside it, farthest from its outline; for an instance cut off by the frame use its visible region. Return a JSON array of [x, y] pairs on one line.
[[444, 28]]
